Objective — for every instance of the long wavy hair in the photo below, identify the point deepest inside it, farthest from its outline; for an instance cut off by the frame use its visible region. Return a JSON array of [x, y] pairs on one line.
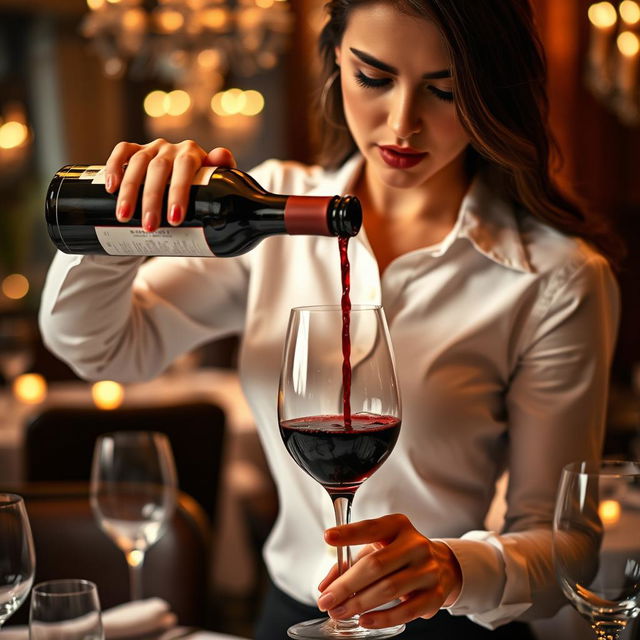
[[499, 81]]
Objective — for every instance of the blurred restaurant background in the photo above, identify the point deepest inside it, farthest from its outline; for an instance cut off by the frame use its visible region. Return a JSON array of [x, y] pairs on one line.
[[76, 76]]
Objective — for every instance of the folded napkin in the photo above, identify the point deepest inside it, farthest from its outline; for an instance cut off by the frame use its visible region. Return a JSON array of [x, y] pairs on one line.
[[137, 618], [128, 620]]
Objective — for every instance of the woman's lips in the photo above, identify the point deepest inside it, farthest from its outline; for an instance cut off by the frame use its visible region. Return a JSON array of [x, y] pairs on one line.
[[400, 158]]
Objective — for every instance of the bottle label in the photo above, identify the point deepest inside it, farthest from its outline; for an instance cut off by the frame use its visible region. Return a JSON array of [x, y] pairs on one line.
[[96, 173], [167, 241]]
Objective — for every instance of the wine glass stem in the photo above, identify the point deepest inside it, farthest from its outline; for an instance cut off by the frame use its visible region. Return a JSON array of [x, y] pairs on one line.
[[135, 561], [342, 507]]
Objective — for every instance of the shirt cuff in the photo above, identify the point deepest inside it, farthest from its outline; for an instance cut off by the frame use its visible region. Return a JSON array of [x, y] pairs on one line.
[[494, 581]]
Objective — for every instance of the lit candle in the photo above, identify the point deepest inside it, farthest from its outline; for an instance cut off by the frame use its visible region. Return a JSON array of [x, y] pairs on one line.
[[609, 512], [629, 12], [30, 388], [107, 394], [627, 70], [603, 18]]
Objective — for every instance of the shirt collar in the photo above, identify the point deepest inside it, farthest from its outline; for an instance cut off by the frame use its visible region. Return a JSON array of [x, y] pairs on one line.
[[489, 222], [485, 219]]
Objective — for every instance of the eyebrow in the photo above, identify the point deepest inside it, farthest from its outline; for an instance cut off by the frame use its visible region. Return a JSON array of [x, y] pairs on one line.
[[383, 66]]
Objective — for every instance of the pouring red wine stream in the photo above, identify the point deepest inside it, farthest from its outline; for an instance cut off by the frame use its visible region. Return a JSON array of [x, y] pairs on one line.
[[343, 243]]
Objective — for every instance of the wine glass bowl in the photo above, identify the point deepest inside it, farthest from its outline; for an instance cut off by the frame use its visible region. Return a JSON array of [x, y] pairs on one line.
[[596, 544], [67, 609], [339, 414], [17, 555], [133, 493]]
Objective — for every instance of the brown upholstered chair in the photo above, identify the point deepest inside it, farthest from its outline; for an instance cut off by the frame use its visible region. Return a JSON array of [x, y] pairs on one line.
[[58, 443], [69, 544]]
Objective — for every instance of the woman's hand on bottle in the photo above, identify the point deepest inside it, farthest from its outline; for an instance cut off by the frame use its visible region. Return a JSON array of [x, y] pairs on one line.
[[397, 563], [156, 164]]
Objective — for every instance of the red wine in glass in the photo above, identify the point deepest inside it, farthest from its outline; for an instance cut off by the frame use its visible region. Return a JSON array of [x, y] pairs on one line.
[[340, 458]]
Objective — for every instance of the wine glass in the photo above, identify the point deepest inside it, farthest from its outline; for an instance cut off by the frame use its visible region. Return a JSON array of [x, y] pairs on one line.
[[133, 493], [65, 610], [596, 545], [17, 555], [339, 414]]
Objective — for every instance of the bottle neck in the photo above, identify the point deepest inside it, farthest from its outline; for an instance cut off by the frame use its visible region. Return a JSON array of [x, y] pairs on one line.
[[307, 215]]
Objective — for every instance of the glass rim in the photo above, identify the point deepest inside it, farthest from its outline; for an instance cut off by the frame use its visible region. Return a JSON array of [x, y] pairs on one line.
[[335, 307], [131, 433], [8, 499], [80, 587], [603, 468]]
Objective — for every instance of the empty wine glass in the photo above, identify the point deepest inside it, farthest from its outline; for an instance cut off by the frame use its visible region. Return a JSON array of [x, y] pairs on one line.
[[17, 555], [133, 493], [339, 414], [65, 610], [596, 544]]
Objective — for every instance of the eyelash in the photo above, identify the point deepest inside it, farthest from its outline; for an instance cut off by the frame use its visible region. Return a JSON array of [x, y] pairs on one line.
[[377, 83]]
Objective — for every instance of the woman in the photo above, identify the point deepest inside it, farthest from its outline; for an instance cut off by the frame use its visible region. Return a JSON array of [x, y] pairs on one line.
[[501, 304]]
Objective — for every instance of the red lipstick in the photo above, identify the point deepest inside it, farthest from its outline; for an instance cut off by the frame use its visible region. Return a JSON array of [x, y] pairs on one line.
[[400, 157]]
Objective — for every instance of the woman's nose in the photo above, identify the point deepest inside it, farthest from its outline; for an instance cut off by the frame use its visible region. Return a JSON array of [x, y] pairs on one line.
[[404, 115]]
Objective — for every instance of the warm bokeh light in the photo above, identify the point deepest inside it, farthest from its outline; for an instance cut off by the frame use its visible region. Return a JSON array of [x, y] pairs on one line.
[[159, 103], [209, 59], [254, 103], [629, 11], [602, 15], [267, 59], [237, 102], [107, 394], [94, 5], [155, 104], [13, 134], [15, 286], [609, 512], [169, 20], [134, 19], [30, 388], [233, 101], [215, 19], [178, 102], [114, 67], [264, 4], [628, 44]]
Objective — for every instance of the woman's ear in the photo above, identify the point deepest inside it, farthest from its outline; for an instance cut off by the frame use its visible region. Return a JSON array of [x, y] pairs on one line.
[[338, 53]]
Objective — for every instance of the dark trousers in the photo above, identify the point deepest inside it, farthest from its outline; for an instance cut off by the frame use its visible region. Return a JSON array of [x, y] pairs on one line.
[[279, 612]]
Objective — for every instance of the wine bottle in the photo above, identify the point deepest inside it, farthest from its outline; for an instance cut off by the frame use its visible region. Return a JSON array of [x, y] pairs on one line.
[[228, 214]]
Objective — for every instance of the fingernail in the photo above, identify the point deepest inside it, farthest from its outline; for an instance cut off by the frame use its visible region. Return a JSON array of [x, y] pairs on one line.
[[338, 612], [325, 601], [147, 221], [175, 214], [367, 621], [109, 183], [123, 212]]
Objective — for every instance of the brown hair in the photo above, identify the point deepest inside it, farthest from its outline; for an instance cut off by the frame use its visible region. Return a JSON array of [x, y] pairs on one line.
[[499, 79]]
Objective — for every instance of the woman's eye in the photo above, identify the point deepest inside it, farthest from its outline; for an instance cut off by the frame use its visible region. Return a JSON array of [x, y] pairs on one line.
[[371, 83], [447, 96]]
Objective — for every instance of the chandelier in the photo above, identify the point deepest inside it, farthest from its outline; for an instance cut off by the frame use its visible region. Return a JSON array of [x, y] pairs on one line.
[[191, 44], [614, 57]]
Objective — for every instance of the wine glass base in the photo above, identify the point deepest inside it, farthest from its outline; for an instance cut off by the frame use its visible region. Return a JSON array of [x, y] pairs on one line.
[[329, 628]]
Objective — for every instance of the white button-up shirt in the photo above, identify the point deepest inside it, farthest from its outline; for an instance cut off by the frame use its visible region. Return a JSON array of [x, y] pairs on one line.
[[503, 335]]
